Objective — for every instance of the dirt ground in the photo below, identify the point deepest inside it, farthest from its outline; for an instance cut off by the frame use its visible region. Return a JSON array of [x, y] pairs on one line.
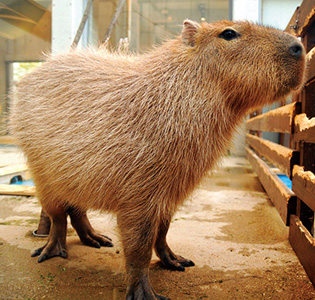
[[228, 227]]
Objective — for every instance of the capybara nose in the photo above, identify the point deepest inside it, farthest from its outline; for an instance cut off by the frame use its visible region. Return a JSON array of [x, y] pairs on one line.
[[296, 50]]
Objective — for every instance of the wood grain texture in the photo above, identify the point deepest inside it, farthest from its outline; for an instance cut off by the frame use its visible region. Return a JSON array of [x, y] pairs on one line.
[[280, 156], [304, 246], [276, 120], [303, 185], [281, 196], [304, 129]]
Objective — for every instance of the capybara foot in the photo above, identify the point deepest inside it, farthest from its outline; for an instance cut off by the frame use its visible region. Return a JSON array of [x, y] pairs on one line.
[[176, 262], [86, 232], [171, 261], [143, 291], [96, 240], [51, 249]]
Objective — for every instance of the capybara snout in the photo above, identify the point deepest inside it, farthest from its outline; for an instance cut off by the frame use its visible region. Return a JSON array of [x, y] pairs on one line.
[[135, 134]]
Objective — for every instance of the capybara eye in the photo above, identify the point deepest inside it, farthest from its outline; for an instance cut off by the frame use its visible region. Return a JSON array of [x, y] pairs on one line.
[[229, 34]]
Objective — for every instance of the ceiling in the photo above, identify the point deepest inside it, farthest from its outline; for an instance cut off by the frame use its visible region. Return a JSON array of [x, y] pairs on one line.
[[20, 16]]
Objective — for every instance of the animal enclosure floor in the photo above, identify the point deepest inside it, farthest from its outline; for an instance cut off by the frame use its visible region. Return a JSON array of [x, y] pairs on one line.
[[228, 227]]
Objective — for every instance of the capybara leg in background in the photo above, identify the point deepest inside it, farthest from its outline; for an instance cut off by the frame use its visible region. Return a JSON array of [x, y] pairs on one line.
[[85, 231], [56, 245], [168, 259]]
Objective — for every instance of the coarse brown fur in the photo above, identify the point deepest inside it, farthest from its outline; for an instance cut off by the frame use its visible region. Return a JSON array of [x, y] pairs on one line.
[[135, 134]]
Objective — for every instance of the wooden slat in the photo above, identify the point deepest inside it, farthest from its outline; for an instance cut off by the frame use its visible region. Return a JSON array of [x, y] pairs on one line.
[[276, 120], [310, 72], [280, 156], [6, 140], [304, 15], [12, 169], [281, 196], [304, 246], [19, 190], [303, 185], [304, 129]]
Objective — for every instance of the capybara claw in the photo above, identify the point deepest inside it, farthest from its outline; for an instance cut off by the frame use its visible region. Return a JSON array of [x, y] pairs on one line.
[[42, 258], [97, 240], [185, 262], [37, 252], [108, 244]]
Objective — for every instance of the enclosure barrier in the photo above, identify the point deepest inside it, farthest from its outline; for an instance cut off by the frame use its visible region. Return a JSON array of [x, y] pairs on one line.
[[297, 206]]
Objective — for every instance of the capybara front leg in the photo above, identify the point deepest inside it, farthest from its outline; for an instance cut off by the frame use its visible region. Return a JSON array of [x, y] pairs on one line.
[[138, 238], [168, 258], [56, 245], [86, 232]]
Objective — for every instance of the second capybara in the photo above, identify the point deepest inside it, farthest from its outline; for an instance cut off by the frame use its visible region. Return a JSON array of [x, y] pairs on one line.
[[134, 134]]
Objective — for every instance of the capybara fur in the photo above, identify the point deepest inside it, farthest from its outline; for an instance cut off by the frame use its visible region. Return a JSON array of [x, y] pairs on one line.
[[134, 134]]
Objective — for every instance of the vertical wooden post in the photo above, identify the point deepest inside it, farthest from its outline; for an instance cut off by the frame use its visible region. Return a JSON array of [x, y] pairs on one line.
[[307, 150]]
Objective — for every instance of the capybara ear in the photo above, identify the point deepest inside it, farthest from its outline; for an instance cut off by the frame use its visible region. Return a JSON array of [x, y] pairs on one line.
[[190, 28]]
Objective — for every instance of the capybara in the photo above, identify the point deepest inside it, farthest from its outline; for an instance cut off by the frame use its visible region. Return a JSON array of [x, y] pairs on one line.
[[134, 134]]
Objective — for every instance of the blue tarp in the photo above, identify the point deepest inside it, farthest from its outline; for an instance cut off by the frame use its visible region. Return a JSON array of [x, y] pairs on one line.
[[286, 180]]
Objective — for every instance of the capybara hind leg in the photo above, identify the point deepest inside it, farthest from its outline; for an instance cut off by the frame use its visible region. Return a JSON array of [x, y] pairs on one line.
[[56, 245], [86, 232], [168, 258], [138, 239]]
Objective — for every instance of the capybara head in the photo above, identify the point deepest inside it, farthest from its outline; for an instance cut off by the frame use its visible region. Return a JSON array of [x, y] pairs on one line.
[[245, 61]]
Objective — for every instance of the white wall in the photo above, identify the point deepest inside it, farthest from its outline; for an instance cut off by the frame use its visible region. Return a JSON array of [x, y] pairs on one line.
[[277, 13], [246, 10], [66, 18]]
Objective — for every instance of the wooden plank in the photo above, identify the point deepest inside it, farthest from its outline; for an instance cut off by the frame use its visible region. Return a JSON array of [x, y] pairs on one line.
[[303, 185], [304, 246], [12, 169], [280, 156], [304, 129], [6, 140], [18, 190], [302, 18], [310, 72], [280, 195], [276, 120]]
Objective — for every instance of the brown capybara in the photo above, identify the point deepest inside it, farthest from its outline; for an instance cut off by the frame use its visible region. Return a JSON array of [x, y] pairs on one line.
[[134, 134]]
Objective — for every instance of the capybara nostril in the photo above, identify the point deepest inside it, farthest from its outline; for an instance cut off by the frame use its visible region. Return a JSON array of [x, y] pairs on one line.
[[296, 50]]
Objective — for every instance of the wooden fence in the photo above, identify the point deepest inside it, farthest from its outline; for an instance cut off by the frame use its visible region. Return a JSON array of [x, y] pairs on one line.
[[297, 206]]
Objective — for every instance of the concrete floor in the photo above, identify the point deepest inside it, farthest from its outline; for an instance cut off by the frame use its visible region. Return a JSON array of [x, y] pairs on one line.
[[228, 227]]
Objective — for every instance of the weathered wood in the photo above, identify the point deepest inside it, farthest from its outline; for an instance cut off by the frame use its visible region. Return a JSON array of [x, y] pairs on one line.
[[18, 190], [280, 195], [6, 140], [304, 129], [302, 18], [276, 120], [304, 246], [12, 169], [280, 156], [303, 185], [310, 72]]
